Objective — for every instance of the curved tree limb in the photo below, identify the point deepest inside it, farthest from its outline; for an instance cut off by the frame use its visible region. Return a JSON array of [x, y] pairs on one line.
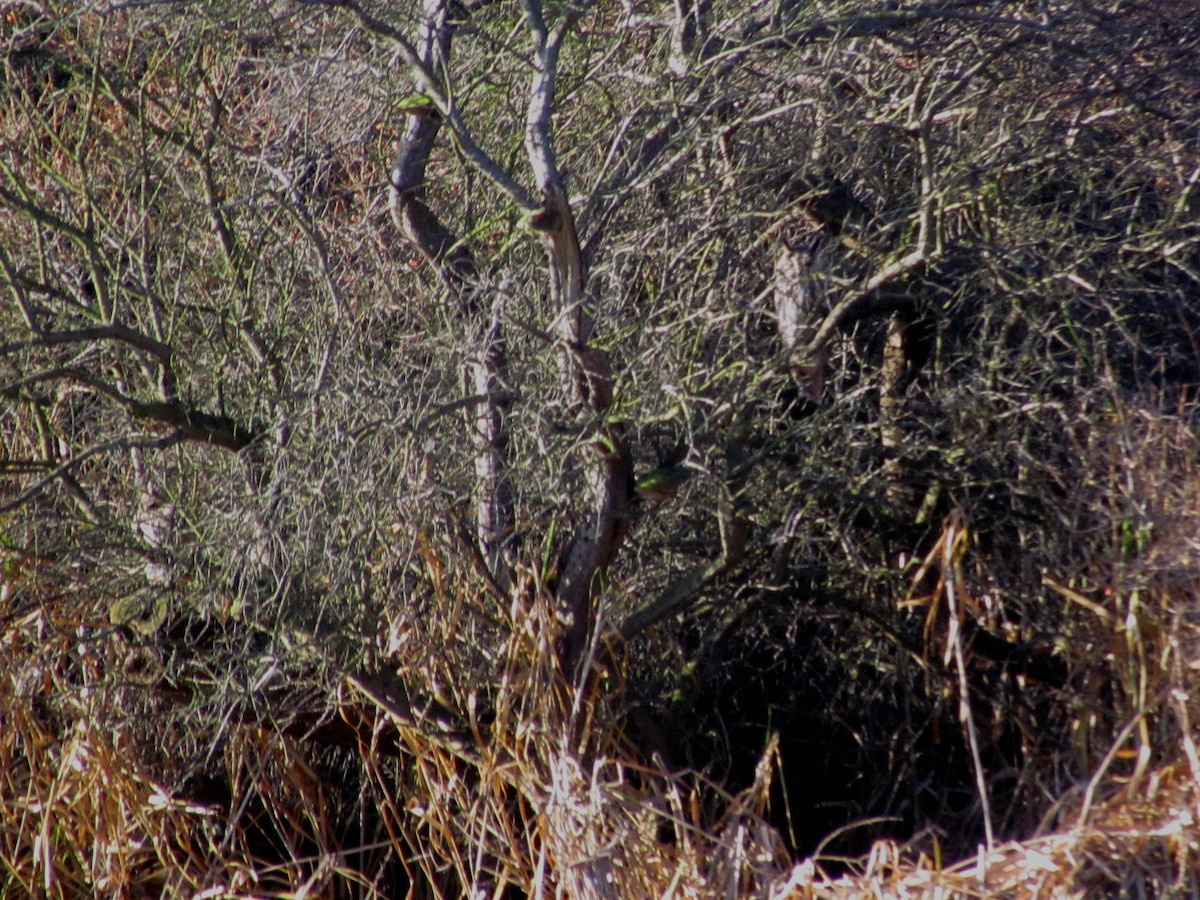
[[424, 72], [456, 268]]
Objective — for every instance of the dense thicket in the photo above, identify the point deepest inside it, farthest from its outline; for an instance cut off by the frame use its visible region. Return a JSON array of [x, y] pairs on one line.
[[614, 448]]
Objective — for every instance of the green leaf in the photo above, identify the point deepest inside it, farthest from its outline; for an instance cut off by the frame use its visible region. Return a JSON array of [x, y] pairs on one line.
[[416, 105], [663, 482]]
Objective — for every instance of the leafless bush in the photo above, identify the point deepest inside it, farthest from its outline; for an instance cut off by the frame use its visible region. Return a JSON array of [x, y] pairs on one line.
[[427, 479]]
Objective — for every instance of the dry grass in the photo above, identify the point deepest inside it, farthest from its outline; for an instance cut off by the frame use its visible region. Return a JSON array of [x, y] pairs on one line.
[[535, 786], [1140, 842], [545, 796]]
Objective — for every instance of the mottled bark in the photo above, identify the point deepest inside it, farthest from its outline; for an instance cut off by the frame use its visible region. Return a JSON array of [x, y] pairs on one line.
[[800, 305], [585, 370], [456, 268]]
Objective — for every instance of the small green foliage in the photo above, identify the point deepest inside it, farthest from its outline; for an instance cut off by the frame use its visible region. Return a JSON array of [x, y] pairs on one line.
[[415, 105], [664, 482]]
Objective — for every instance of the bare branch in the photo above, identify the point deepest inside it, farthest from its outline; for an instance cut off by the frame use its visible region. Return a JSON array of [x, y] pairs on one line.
[[114, 331], [63, 471], [923, 111], [546, 47], [433, 87]]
